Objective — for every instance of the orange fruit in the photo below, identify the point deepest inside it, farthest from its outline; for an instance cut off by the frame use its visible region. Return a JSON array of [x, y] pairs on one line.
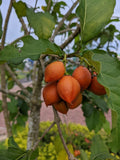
[[76, 102], [76, 153], [83, 76], [54, 71], [61, 107], [50, 94], [68, 88], [96, 87]]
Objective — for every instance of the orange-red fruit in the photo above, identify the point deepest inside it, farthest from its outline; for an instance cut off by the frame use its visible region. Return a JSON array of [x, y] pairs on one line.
[[83, 76], [68, 88], [76, 102], [61, 107], [50, 94], [96, 87], [76, 153], [54, 71]]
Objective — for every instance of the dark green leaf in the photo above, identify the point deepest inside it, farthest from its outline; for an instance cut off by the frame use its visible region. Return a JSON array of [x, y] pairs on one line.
[[12, 143], [12, 106], [99, 150], [118, 36], [20, 8], [95, 121], [31, 49], [10, 84], [42, 23], [0, 25], [0, 2], [87, 109], [94, 15]]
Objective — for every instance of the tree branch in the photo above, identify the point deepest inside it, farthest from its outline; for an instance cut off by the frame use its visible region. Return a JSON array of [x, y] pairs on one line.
[[14, 94], [71, 37], [24, 26], [57, 120], [6, 25], [62, 21], [16, 80], [46, 131]]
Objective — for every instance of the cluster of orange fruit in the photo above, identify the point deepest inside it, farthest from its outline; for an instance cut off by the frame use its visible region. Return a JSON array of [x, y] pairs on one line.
[[64, 92]]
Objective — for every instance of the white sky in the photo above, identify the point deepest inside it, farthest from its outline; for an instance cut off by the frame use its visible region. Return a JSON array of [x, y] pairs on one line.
[[15, 27]]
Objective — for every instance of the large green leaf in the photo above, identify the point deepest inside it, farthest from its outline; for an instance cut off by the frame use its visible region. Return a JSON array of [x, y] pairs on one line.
[[94, 15], [42, 23], [20, 8], [99, 150], [110, 77], [31, 49]]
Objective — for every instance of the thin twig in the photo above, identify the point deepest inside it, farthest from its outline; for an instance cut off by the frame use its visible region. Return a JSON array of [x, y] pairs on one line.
[[57, 120], [24, 26], [48, 6], [62, 21], [71, 37], [14, 94], [5, 25], [16, 80], [45, 132]]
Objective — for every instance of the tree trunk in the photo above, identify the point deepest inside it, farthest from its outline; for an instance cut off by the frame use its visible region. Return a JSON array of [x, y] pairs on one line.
[[4, 103], [34, 118]]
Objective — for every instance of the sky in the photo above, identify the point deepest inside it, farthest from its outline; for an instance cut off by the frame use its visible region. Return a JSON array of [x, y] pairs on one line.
[[14, 29]]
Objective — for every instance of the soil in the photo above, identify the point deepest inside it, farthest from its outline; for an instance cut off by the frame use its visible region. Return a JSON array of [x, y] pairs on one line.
[[46, 114]]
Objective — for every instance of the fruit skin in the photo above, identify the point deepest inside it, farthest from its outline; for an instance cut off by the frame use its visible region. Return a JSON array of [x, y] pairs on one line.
[[76, 102], [76, 153], [96, 87], [68, 88], [50, 94], [54, 71], [61, 107], [83, 76]]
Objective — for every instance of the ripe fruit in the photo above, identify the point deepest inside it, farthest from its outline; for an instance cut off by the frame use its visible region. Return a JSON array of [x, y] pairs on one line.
[[83, 76], [76, 102], [50, 94], [54, 71], [76, 153], [96, 87], [61, 107], [68, 88]]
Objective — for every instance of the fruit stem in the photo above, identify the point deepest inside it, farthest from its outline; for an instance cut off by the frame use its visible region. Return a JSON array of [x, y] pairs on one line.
[[64, 61]]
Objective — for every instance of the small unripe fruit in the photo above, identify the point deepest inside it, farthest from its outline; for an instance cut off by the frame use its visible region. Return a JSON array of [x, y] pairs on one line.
[[61, 107], [68, 88], [96, 87], [54, 71], [76, 102], [50, 94], [83, 76]]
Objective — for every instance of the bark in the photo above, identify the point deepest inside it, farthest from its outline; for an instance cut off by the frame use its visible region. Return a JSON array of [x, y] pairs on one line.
[[4, 103], [34, 118]]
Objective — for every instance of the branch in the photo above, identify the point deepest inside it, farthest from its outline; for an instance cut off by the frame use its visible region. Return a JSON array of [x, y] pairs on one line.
[[16, 80], [62, 21], [71, 37], [24, 26], [48, 6], [6, 25], [46, 131], [14, 94], [57, 120]]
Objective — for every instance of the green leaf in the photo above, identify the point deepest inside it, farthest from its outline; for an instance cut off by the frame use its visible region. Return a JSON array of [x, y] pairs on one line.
[[20, 8], [12, 143], [99, 150], [31, 49], [94, 15], [0, 2], [83, 155], [96, 120], [12, 106], [0, 25], [10, 84], [42, 23], [110, 78]]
